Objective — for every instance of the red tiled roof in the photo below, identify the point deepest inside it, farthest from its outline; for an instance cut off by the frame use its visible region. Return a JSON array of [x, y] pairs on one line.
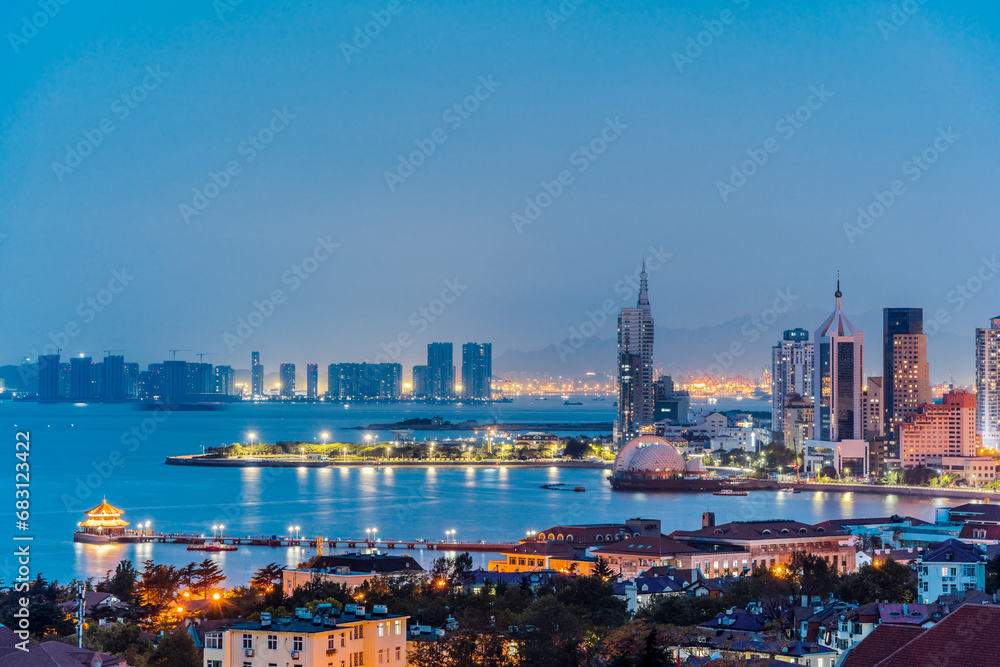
[[964, 638], [756, 530], [645, 546], [551, 549], [980, 531], [883, 641]]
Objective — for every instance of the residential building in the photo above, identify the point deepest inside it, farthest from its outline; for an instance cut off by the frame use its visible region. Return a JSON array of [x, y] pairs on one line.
[[838, 377], [440, 371], [347, 638], [113, 378], [634, 555], [477, 371], [256, 376], [132, 384], [419, 382], [765, 543], [671, 406], [48, 377], [988, 384], [635, 366], [81, 378], [798, 421], [974, 470], [948, 429], [174, 383], [906, 377], [365, 382], [352, 569], [792, 370], [543, 555], [312, 381], [871, 409], [951, 567], [201, 379], [957, 640], [286, 376], [225, 380]]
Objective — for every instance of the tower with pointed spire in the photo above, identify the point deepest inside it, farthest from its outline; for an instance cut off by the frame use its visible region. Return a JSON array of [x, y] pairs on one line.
[[838, 377], [635, 365]]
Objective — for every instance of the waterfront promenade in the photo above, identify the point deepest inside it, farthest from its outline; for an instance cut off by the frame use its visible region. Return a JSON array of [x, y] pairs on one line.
[[292, 461]]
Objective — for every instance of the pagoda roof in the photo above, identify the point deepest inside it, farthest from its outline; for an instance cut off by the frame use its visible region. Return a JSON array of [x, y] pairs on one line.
[[104, 509]]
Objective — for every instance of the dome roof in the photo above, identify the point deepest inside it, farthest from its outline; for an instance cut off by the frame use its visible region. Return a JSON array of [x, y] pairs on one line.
[[649, 453]]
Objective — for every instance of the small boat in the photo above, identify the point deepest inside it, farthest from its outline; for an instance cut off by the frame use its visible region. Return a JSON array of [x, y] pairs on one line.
[[790, 490], [729, 492], [580, 489], [572, 403], [212, 546]]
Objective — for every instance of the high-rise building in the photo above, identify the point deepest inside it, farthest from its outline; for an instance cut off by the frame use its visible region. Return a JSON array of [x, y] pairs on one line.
[[419, 388], [81, 378], [838, 377], [174, 383], [132, 384], [113, 373], [365, 382], [936, 431], [48, 377], [670, 404], [97, 386], [635, 366], [792, 361], [312, 381], [477, 371], [798, 421], [871, 409], [440, 371], [988, 384], [256, 376], [225, 380], [153, 381], [286, 376], [906, 376]]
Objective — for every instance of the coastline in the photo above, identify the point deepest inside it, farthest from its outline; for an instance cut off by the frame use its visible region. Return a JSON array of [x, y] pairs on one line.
[[274, 462]]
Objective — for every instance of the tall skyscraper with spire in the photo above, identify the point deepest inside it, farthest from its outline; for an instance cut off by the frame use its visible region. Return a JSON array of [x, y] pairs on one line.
[[839, 376], [635, 365]]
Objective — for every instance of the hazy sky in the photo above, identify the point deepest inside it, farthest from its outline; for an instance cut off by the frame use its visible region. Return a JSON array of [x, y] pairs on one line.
[[115, 114]]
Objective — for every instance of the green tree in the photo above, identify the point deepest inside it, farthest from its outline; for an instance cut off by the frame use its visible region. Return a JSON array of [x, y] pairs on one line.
[[207, 576], [176, 649], [122, 583], [602, 569], [882, 580], [118, 639]]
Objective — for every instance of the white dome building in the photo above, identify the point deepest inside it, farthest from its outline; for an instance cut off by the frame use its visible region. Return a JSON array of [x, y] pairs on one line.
[[650, 462]]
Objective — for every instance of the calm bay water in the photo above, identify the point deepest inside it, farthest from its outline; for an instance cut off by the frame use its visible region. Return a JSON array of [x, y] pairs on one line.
[[81, 453]]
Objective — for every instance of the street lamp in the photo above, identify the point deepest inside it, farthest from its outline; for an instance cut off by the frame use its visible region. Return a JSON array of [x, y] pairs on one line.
[[296, 532], [252, 436], [450, 533], [324, 435], [215, 531], [302, 452]]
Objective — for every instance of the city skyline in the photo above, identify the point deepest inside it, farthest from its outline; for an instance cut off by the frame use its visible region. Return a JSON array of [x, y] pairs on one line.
[[324, 243]]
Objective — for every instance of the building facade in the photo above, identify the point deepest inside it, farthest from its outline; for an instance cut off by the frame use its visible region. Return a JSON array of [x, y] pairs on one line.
[[312, 381], [792, 369], [950, 568], [988, 384], [256, 376], [838, 377], [948, 429], [477, 371], [440, 371], [364, 382], [286, 376], [635, 366], [906, 377]]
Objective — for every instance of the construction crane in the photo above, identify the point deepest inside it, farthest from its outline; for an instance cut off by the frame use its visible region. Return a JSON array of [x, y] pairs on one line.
[[179, 350], [201, 356], [107, 353]]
